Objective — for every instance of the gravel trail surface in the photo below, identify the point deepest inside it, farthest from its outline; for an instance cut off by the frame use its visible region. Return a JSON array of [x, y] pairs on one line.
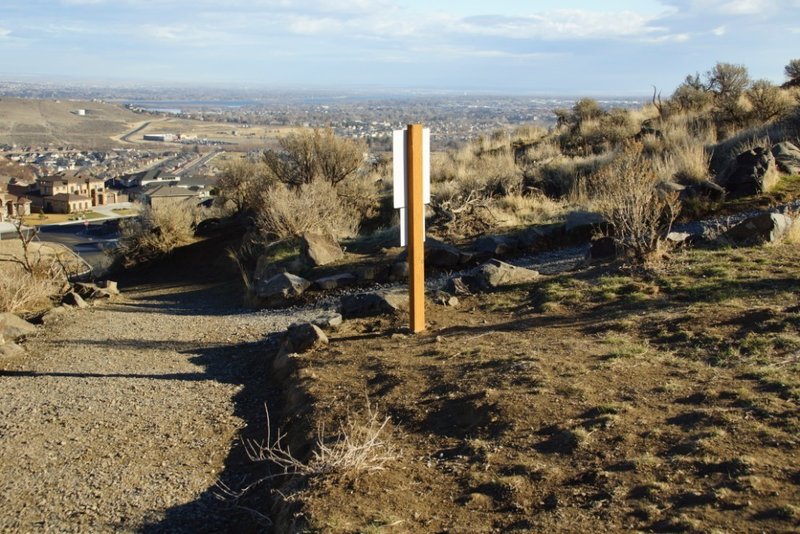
[[124, 415]]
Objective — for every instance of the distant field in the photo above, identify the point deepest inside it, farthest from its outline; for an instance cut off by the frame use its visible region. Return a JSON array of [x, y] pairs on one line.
[[255, 137], [56, 123]]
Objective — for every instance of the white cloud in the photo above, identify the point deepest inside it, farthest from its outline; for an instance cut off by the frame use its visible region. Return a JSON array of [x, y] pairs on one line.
[[719, 31], [4, 32], [747, 7]]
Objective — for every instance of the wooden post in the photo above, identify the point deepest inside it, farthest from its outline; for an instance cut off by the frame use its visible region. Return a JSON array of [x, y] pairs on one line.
[[415, 228]]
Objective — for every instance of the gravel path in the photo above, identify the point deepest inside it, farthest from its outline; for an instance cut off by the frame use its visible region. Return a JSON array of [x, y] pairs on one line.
[[123, 416]]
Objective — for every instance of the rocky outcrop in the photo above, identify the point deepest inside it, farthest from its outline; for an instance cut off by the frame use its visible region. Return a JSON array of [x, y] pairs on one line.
[[751, 173], [787, 157], [438, 254], [281, 289], [763, 228]]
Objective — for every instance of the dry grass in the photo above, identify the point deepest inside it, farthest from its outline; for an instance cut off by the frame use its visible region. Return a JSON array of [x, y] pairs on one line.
[[155, 233], [359, 446], [22, 292], [314, 207], [625, 193], [519, 210]]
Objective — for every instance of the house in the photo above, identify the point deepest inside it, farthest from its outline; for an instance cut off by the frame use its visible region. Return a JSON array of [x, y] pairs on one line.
[[13, 205], [71, 191], [162, 195]]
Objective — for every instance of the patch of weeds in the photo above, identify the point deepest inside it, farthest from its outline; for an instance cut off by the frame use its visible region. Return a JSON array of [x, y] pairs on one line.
[[624, 347], [559, 292], [562, 440]]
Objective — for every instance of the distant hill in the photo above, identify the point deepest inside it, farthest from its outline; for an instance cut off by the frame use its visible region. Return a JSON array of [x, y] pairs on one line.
[[57, 122]]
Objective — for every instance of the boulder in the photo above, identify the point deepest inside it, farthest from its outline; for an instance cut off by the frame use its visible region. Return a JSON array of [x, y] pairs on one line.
[[787, 157], [437, 254], [73, 299], [319, 249], [491, 275], [374, 303], [303, 337], [751, 173], [496, 245], [281, 288], [335, 281], [87, 290], [601, 249], [543, 237], [15, 328], [370, 273], [9, 350], [763, 228]]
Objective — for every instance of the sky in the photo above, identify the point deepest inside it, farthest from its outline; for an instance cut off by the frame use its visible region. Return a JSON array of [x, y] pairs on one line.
[[612, 47]]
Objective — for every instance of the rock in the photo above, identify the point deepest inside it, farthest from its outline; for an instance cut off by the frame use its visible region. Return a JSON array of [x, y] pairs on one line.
[[319, 249], [15, 328], [787, 157], [601, 249], [703, 189], [679, 238], [581, 226], [335, 281], [446, 300], [109, 286], [85, 289], [373, 303], [492, 275], [328, 320], [73, 299], [9, 350], [281, 288], [763, 228], [437, 254], [751, 173], [53, 315], [304, 337], [496, 245]]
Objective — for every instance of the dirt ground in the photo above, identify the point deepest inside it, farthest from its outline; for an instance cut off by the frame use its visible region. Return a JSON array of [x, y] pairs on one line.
[[590, 401]]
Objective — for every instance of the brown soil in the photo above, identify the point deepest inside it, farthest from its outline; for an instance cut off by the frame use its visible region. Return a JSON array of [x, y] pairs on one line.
[[591, 402]]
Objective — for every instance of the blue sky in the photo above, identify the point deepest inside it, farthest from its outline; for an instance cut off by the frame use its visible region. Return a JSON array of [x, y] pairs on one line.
[[533, 46]]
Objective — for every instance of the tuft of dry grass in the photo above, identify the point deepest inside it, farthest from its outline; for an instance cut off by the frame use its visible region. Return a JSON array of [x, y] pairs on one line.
[[360, 445]]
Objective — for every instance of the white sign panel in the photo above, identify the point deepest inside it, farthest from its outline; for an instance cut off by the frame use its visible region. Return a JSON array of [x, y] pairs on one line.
[[399, 174]]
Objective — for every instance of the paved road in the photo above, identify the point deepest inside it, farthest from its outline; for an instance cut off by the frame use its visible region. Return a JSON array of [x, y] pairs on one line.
[[126, 138]]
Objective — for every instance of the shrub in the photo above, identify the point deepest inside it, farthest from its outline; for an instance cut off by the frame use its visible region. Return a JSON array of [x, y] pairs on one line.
[[792, 71], [155, 233], [241, 181], [314, 154], [625, 193], [287, 212], [767, 100]]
